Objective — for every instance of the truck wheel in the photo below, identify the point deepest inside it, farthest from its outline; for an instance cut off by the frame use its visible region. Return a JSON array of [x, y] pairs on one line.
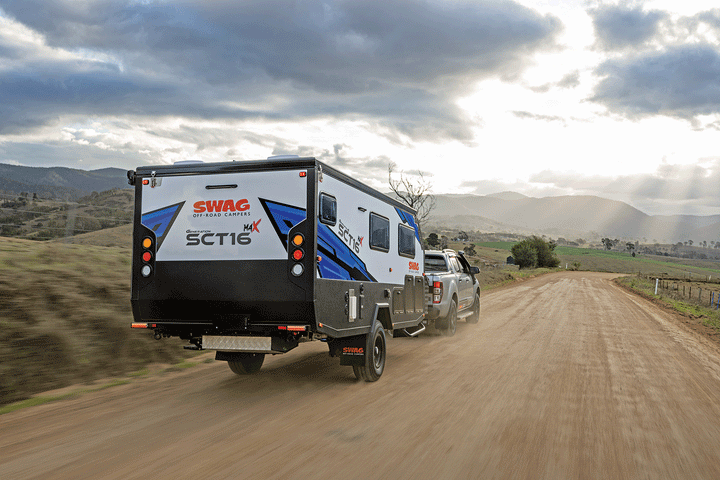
[[451, 321], [475, 317], [246, 363], [375, 353]]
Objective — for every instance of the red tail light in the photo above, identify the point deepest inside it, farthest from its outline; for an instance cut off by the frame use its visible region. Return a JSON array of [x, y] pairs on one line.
[[437, 292]]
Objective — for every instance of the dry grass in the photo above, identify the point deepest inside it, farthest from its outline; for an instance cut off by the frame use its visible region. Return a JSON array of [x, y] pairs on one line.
[[65, 317]]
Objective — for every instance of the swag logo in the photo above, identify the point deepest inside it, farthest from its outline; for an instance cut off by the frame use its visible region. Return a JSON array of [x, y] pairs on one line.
[[221, 208]]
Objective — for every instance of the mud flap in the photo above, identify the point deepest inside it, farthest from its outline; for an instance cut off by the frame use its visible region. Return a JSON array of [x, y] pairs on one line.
[[351, 350]]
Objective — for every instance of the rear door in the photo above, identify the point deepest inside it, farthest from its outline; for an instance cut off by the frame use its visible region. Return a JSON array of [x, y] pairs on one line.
[[468, 278], [220, 245], [464, 282]]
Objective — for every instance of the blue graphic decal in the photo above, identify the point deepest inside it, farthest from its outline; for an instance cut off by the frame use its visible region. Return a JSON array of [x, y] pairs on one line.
[[283, 217], [338, 261], [410, 220], [160, 220]]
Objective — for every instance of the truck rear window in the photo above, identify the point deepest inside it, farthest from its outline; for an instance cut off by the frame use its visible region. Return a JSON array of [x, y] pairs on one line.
[[435, 264]]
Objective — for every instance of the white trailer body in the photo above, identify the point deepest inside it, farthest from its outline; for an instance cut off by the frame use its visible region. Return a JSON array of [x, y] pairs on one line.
[[251, 258]]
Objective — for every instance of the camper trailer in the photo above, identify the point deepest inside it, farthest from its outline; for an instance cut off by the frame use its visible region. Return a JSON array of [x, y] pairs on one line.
[[253, 258]]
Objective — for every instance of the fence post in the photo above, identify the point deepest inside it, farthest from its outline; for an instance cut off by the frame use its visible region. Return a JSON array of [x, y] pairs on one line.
[[656, 285]]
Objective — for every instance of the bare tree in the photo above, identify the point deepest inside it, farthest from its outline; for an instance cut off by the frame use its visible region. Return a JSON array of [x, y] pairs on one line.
[[415, 193]]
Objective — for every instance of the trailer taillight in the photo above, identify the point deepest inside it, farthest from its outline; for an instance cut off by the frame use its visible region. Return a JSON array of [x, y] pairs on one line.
[[297, 240], [147, 255]]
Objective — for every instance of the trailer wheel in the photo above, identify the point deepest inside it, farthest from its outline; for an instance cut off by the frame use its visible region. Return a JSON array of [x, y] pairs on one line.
[[375, 353], [246, 363], [475, 317], [450, 322]]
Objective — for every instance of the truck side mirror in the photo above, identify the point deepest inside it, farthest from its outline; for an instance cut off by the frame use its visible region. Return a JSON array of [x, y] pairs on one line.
[[474, 270]]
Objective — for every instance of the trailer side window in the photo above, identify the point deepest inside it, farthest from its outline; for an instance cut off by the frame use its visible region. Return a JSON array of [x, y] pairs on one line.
[[406, 241], [328, 209], [379, 232]]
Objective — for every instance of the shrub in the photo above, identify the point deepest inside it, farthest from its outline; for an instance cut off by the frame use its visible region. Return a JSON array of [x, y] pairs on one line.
[[535, 252], [524, 254]]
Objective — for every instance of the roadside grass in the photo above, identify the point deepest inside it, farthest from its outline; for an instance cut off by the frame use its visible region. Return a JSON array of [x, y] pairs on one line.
[[43, 399], [709, 317], [65, 318]]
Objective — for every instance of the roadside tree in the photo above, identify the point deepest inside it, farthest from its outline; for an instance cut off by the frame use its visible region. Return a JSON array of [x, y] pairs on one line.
[[415, 193]]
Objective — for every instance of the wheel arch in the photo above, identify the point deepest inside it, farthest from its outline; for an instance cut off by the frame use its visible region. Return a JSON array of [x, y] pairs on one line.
[[382, 315]]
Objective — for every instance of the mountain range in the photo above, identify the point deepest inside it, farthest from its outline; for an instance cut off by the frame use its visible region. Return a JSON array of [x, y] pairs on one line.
[[569, 216], [563, 216], [59, 182]]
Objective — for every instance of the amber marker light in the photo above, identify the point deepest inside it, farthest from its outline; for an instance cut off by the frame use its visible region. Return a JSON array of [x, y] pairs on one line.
[[139, 325], [298, 239], [147, 242]]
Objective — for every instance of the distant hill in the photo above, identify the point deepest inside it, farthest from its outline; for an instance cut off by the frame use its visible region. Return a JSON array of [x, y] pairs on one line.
[[508, 196], [570, 217], [59, 182]]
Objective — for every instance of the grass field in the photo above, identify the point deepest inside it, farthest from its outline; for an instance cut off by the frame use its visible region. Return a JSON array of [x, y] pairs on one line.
[[609, 261]]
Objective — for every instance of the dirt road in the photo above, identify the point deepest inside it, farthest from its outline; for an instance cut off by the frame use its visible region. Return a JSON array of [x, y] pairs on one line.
[[565, 376]]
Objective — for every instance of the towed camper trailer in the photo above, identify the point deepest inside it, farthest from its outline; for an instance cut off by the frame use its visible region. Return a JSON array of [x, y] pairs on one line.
[[255, 257]]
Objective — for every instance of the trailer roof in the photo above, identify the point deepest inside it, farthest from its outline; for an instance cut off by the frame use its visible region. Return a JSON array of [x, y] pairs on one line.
[[270, 164]]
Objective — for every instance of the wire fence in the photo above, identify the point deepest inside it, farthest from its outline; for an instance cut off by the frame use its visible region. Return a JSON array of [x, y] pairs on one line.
[[699, 293]]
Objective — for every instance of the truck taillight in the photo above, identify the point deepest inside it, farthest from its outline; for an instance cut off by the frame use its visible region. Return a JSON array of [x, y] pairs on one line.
[[298, 255], [437, 292]]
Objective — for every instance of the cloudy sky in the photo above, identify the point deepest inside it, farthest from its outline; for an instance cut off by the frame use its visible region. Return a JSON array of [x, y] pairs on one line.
[[542, 97]]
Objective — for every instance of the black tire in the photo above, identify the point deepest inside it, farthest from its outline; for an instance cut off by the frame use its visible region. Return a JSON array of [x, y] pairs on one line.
[[246, 363], [475, 317], [450, 323], [375, 355]]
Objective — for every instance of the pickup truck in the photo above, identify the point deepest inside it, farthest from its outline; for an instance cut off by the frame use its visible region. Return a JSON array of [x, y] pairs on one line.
[[453, 290]]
